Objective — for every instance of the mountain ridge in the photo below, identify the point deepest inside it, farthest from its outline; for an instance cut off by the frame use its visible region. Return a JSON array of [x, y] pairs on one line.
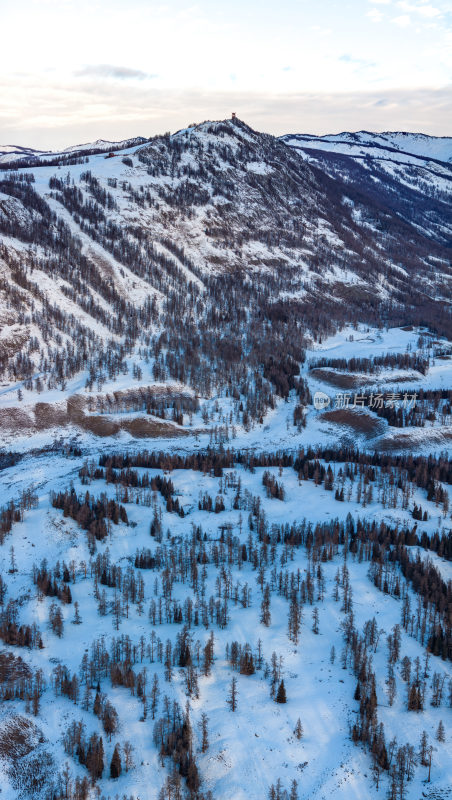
[[402, 141]]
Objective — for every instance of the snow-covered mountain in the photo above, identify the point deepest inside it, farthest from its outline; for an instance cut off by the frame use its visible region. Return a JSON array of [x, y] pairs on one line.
[[225, 411], [220, 236], [438, 148], [10, 154], [16, 156], [105, 145], [407, 172]]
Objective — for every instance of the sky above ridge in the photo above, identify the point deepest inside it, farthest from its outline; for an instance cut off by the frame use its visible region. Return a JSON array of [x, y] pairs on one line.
[[73, 71]]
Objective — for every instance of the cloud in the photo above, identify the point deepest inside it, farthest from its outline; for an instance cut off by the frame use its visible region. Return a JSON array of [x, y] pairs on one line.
[[425, 9], [52, 117], [403, 21], [428, 11], [374, 15], [357, 62], [110, 71]]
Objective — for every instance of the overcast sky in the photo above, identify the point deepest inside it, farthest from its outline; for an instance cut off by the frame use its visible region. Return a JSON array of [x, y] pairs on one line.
[[73, 71]]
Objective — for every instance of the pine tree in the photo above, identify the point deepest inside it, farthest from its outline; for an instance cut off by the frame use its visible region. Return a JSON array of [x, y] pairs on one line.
[[208, 655], [315, 620], [205, 735], [109, 719], [100, 758], [128, 756], [440, 732], [414, 698], [423, 748], [376, 772], [281, 693], [406, 669], [430, 751], [232, 699], [265, 607], [392, 686], [294, 618], [77, 618], [298, 730], [155, 693], [98, 704], [95, 757], [115, 765]]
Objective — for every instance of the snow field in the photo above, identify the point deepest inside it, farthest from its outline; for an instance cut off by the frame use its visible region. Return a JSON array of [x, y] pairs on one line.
[[251, 748]]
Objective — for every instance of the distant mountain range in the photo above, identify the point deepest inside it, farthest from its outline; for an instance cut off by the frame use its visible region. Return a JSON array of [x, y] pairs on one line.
[[392, 144], [14, 154]]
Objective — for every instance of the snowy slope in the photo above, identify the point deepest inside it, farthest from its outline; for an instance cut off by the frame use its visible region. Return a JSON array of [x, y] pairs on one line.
[[374, 144], [253, 747], [104, 144], [12, 154], [411, 173]]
